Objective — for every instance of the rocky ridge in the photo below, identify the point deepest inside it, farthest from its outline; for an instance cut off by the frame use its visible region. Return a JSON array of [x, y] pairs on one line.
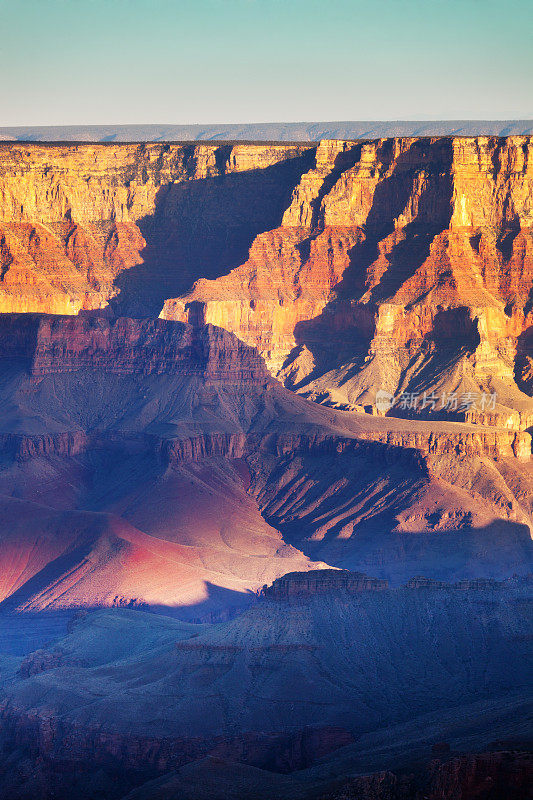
[[59, 344], [415, 255], [402, 265]]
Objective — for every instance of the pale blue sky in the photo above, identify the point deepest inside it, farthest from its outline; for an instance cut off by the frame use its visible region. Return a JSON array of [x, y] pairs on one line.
[[207, 61]]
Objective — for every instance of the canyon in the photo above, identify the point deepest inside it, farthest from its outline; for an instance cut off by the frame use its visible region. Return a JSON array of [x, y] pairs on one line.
[[266, 488], [157, 462], [304, 687], [398, 265]]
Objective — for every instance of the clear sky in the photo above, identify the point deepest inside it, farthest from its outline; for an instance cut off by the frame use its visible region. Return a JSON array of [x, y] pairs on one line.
[[206, 61]]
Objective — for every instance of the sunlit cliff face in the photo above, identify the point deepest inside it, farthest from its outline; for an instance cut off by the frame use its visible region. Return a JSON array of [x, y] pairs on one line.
[[400, 268], [402, 264]]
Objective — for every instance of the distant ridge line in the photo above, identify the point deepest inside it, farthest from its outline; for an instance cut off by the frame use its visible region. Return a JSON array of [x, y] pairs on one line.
[[265, 132]]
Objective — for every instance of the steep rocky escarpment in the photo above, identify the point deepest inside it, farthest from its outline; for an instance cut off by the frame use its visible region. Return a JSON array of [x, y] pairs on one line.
[[402, 265], [74, 218], [154, 469], [480, 776], [57, 345], [394, 513], [122, 475], [296, 584]]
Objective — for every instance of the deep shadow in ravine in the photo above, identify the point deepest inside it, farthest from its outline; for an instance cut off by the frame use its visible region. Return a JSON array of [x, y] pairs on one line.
[[203, 229]]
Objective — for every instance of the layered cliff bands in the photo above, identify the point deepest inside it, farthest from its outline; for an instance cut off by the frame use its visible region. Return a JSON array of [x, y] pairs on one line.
[[301, 585], [55, 345], [399, 264], [350, 267], [177, 356], [483, 776], [73, 218], [298, 585]]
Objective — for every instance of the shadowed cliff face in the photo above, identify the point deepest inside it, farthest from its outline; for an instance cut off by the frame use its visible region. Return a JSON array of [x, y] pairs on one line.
[[309, 685], [156, 462], [202, 228], [335, 261]]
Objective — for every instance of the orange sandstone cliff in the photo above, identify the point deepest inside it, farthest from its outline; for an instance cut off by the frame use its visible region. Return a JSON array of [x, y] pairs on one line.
[[402, 265]]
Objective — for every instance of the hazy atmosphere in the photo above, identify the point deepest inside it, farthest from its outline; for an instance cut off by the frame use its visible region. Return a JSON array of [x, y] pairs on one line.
[[203, 61], [266, 384]]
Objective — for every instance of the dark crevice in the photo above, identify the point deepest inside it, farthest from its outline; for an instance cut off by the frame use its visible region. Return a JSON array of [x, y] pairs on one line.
[[203, 229], [391, 197], [505, 240]]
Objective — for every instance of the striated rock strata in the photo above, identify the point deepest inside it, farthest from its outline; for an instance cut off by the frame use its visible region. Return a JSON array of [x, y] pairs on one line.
[[296, 584], [404, 265], [73, 218], [396, 264]]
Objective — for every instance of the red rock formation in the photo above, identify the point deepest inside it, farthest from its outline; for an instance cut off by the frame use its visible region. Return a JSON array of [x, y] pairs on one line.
[[146, 347], [394, 258], [72, 218], [325, 581], [400, 264], [174, 407], [487, 776], [484, 776], [50, 740]]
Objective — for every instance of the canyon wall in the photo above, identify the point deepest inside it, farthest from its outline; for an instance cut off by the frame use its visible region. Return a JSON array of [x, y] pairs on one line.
[[149, 459], [59, 344], [401, 264], [404, 264], [158, 461], [73, 218], [296, 584]]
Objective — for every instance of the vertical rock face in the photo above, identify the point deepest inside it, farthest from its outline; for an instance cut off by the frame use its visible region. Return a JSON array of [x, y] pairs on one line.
[[58, 345], [398, 264], [73, 218], [323, 581], [483, 776], [401, 264]]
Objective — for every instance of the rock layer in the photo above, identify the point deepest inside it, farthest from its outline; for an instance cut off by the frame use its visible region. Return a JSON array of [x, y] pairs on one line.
[[296, 584], [73, 218], [58, 345], [397, 264], [404, 265]]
